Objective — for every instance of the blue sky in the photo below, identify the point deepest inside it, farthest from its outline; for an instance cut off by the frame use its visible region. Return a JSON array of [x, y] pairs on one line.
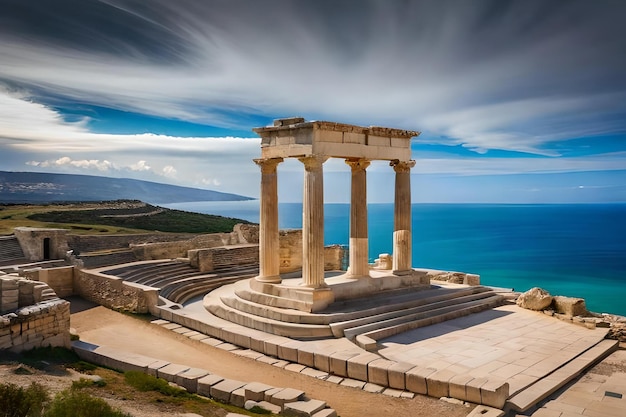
[[518, 101]]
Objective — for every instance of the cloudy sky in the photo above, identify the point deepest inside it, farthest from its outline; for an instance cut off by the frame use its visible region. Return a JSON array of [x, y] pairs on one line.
[[519, 101]]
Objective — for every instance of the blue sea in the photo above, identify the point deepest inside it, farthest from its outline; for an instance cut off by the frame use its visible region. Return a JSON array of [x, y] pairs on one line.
[[576, 250]]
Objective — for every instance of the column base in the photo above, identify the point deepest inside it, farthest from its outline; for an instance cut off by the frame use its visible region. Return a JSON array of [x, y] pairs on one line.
[[275, 279]]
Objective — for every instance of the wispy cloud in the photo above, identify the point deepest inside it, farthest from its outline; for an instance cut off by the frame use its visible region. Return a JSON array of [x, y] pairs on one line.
[[514, 75]]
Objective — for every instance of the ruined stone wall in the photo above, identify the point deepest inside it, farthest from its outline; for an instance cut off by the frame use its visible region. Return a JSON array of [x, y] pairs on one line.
[[178, 249], [291, 253], [39, 325], [210, 259], [60, 279], [114, 293], [290, 250], [94, 243]]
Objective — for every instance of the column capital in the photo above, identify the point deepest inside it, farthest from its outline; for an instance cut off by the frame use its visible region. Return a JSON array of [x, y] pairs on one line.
[[358, 164], [268, 165], [313, 162], [402, 166]]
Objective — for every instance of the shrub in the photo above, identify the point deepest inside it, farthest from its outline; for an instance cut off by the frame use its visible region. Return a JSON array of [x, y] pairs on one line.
[[144, 382], [16, 401], [75, 403]]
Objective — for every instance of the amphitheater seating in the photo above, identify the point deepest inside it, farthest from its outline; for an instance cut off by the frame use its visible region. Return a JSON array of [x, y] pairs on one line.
[[10, 251], [179, 282]]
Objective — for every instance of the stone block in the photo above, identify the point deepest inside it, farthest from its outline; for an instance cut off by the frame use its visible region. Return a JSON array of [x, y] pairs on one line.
[[457, 386], [255, 391], [331, 136], [373, 388], [327, 412], [416, 379], [269, 393], [189, 378], [275, 409], [286, 395], [170, 371], [494, 393], [238, 397], [303, 408], [472, 390], [569, 306], [373, 140], [306, 355], [377, 371], [438, 383], [396, 372], [289, 351], [400, 143], [339, 362], [206, 382], [155, 366], [222, 390], [321, 360], [357, 365], [351, 137]]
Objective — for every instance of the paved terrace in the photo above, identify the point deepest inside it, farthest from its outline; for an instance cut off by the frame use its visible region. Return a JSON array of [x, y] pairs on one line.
[[469, 357]]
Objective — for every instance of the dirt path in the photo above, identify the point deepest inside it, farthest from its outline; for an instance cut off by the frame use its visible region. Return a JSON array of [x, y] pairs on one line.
[[104, 327]]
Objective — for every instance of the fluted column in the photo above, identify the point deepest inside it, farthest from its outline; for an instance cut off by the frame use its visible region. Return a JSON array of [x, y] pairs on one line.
[[358, 218], [269, 260], [313, 222], [402, 216]]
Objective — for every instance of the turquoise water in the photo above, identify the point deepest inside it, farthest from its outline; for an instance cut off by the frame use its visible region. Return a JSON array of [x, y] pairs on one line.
[[573, 250]]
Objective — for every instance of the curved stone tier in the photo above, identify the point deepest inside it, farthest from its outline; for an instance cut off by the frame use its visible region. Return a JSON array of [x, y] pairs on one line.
[[363, 320]]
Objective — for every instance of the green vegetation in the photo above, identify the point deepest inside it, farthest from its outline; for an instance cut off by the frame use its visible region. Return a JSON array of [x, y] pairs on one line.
[[16, 401], [144, 382], [84, 398], [76, 403], [123, 216]]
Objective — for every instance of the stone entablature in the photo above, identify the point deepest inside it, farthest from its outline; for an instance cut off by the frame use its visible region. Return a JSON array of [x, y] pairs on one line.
[[294, 137]]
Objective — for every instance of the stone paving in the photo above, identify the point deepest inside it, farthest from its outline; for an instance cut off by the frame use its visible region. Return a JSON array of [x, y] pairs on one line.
[[600, 392], [463, 356], [517, 345]]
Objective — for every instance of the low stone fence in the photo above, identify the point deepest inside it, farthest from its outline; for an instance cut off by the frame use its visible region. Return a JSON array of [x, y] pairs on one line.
[[115, 293]]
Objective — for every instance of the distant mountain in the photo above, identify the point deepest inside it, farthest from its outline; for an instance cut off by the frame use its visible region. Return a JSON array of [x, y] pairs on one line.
[[37, 187]]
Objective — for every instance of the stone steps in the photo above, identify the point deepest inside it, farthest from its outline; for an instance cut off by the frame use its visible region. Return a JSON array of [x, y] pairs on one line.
[[540, 390], [402, 311], [94, 260], [178, 281], [395, 313], [10, 249], [367, 339]]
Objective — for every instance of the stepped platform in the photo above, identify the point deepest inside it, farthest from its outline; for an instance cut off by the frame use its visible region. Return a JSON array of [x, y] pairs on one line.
[[429, 341]]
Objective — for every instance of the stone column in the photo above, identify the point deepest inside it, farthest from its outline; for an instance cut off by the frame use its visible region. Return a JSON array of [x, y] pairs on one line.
[[313, 222], [269, 259], [402, 216], [358, 218]]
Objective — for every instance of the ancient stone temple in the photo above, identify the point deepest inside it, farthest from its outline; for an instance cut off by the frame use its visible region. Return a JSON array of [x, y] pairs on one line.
[[313, 143]]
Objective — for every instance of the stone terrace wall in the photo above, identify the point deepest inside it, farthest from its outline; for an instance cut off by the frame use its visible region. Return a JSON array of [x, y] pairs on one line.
[[178, 249], [114, 293], [94, 243], [39, 325]]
